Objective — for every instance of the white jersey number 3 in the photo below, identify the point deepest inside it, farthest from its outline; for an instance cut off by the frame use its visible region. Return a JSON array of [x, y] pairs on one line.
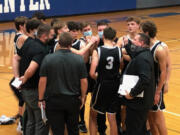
[[110, 62]]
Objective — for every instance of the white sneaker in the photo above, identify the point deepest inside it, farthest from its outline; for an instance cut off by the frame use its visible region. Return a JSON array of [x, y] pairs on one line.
[[19, 128]]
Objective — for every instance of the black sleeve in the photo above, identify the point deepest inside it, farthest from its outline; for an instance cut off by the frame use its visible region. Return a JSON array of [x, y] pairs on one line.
[[130, 49], [82, 69], [37, 53], [44, 68], [144, 71]]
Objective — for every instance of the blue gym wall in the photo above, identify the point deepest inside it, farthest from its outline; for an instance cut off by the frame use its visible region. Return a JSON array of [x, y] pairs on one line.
[[9, 9]]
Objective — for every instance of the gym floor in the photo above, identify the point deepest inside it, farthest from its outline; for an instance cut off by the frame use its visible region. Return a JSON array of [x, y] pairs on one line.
[[168, 23]]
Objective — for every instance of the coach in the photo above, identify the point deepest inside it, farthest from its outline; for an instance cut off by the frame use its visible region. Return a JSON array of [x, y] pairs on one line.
[[141, 65], [63, 83]]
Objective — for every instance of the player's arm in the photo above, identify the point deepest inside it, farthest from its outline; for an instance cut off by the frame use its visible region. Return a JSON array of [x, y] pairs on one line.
[[94, 64], [41, 90], [84, 49], [120, 42], [168, 69], [84, 86], [21, 41], [16, 58], [15, 64], [30, 71], [161, 57], [125, 55], [121, 63], [42, 87]]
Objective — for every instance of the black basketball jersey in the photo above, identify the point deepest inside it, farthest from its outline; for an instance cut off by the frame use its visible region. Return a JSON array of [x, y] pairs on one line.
[[109, 62], [76, 44], [55, 45], [156, 64], [16, 49]]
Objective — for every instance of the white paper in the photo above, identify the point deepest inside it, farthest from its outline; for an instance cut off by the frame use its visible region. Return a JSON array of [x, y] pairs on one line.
[[43, 114], [16, 83], [129, 81]]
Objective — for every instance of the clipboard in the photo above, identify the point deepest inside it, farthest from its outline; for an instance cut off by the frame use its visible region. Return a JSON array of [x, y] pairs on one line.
[[129, 82]]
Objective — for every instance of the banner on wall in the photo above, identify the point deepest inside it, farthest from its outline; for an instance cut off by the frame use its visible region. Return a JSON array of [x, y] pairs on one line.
[[9, 9]]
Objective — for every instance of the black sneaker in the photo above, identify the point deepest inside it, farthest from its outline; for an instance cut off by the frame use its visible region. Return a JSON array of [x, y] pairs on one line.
[[102, 133], [82, 127]]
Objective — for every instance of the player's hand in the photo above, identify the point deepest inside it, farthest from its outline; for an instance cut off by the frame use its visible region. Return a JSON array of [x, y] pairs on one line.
[[125, 40], [156, 98], [83, 100], [43, 103], [166, 87], [94, 39], [23, 79], [127, 96], [88, 38]]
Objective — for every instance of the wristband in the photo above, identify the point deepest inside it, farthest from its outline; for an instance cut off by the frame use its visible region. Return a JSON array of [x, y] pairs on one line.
[[40, 100]]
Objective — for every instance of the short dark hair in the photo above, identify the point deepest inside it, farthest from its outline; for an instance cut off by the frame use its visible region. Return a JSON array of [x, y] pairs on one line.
[[39, 15], [65, 39], [133, 18], [143, 37], [43, 29], [54, 20], [20, 20], [32, 24], [73, 25], [58, 25], [102, 22], [109, 33], [83, 25], [150, 27]]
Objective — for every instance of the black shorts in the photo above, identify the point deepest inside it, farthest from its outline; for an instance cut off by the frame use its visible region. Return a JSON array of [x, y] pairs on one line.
[[160, 106], [105, 97], [91, 84], [17, 93]]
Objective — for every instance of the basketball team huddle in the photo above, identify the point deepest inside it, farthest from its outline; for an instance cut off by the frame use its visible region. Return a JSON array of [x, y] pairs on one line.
[[58, 70]]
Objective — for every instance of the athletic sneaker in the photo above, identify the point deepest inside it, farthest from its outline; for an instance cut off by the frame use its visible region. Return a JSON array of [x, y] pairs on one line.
[[82, 127], [20, 127]]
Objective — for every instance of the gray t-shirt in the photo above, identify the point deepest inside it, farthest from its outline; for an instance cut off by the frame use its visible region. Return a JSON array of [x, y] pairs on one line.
[[63, 70]]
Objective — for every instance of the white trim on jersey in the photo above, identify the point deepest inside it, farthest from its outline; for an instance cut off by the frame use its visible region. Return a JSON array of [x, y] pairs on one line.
[[97, 93], [154, 55], [99, 52], [163, 44], [15, 43], [75, 42], [109, 47], [55, 47], [120, 55]]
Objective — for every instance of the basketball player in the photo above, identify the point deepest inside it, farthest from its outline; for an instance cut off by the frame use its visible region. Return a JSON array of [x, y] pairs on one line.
[[31, 28], [19, 39], [159, 51], [78, 45], [125, 43], [132, 28], [59, 27], [105, 70]]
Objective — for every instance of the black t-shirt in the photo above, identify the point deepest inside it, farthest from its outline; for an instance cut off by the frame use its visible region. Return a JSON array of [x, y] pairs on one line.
[[63, 70], [32, 50]]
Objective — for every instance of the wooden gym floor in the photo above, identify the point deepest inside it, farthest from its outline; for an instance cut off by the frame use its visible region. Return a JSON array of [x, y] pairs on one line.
[[168, 22]]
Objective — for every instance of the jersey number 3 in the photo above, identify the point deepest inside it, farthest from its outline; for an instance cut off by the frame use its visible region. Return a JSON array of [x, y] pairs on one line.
[[110, 61]]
